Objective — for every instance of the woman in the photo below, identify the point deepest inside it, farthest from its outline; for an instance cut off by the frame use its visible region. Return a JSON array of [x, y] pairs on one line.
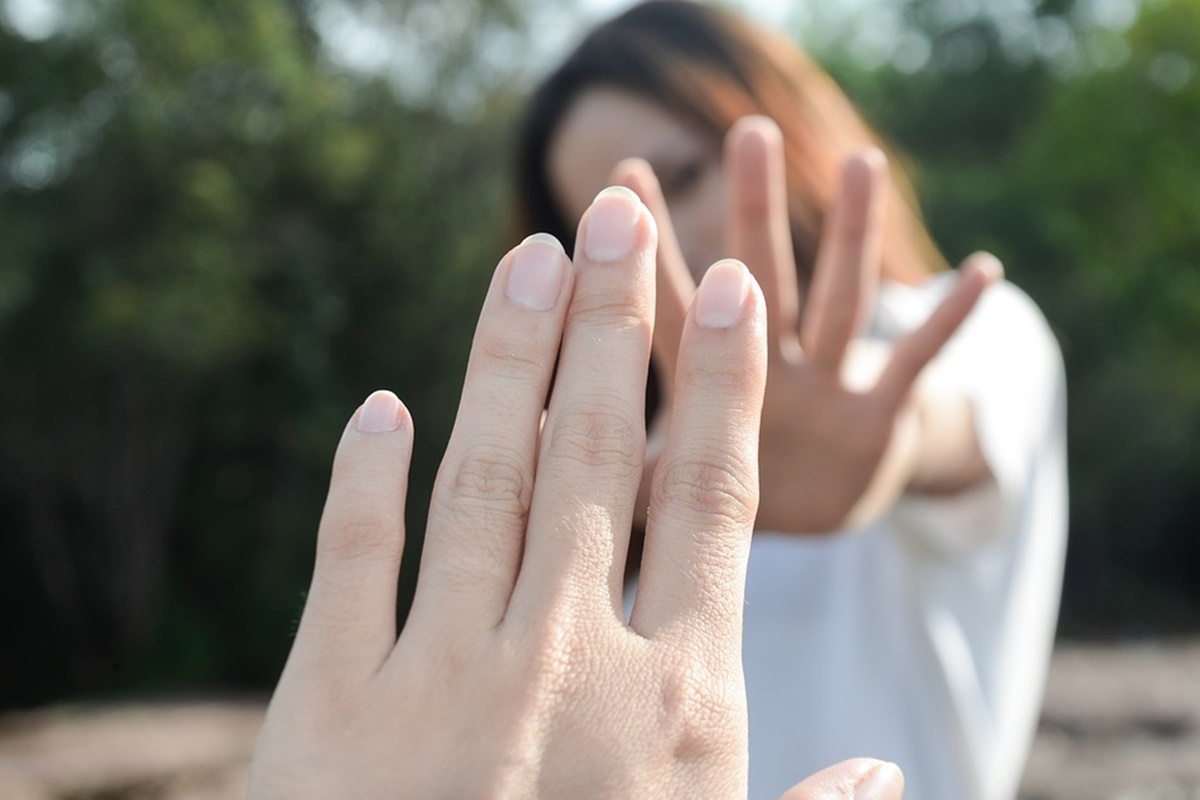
[[923, 636]]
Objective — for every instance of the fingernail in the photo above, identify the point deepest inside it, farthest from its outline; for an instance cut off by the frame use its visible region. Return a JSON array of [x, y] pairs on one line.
[[379, 413], [612, 225], [882, 783], [535, 276], [721, 297]]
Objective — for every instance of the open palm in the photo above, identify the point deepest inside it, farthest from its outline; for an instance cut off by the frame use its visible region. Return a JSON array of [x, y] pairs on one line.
[[840, 433]]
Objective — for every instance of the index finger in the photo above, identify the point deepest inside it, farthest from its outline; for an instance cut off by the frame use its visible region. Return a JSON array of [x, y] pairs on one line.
[[592, 449], [674, 284], [705, 490]]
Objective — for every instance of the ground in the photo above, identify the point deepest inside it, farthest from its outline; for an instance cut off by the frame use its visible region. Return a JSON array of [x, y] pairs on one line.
[[1121, 722]]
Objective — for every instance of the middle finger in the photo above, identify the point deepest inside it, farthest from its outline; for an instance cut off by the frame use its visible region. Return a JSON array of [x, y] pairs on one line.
[[760, 234], [481, 498], [593, 443]]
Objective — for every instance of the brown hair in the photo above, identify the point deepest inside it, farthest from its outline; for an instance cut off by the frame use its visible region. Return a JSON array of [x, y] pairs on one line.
[[711, 68]]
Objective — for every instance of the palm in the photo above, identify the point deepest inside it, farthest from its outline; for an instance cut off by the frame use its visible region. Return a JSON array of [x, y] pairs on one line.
[[821, 444]]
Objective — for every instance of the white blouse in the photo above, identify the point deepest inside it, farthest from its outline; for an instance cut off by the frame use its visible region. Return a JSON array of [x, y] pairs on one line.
[[924, 638]]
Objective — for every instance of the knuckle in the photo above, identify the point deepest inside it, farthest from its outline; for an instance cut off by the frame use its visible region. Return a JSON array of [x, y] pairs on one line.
[[599, 437], [713, 371], [486, 477], [513, 356], [556, 659], [701, 710], [720, 489], [366, 535], [601, 309]]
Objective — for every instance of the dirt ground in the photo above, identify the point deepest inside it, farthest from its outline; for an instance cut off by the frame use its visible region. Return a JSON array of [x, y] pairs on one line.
[[1121, 722]]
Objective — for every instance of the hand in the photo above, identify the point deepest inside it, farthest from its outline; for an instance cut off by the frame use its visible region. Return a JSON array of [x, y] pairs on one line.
[[842, 436], [517, 674]]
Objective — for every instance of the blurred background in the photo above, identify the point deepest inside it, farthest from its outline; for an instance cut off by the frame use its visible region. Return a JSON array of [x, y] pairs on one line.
[[224, 222]]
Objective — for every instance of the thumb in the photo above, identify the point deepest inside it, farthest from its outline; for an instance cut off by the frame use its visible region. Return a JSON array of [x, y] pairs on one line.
[[856, 779]]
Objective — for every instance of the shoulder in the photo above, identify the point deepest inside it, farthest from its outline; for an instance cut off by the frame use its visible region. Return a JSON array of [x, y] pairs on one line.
[[1008, 312], [1007, 333]]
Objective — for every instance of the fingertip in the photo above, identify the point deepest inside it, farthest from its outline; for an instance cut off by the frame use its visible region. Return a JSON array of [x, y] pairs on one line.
[[883, 782], [756, 126], [753, 138], [382, 412], [755, 169], [611, 228], [632, 173], [615, 192], [986, 265], [535, 272], [638, 176], [864, 166], [871, 158], [854, 779]]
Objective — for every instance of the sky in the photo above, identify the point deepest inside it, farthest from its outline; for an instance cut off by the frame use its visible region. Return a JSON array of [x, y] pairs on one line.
[[773, 12], [33, 19]]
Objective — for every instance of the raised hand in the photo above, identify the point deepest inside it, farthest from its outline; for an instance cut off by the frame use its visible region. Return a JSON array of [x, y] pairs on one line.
[[517, 674], [843, 432]]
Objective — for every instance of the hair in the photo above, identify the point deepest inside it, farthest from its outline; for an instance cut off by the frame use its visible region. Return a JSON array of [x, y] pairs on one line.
[[711, 68]]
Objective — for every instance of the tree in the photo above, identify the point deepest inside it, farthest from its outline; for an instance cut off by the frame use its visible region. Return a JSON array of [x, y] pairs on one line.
[[217, 241]]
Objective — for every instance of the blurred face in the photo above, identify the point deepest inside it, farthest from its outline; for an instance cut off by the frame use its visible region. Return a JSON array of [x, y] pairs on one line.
[[606, 125]]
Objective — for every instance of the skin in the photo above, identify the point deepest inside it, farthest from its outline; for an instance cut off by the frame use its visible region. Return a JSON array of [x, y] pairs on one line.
[[848, 427], [517, 674]]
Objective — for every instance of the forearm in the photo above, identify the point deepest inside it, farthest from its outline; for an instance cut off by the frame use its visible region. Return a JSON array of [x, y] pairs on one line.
[[934, 450], [948, 457]]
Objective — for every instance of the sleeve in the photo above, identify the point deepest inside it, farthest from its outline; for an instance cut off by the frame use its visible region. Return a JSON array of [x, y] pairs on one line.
[[1007, 362]]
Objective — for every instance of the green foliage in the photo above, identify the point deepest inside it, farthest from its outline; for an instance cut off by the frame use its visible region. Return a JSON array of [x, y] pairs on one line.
[[216, 245], [1079, 170], [1114, 234]]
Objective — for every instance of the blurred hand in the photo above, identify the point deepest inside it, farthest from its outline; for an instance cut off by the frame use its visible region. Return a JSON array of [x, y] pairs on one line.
[[517, 674], [841, 439]]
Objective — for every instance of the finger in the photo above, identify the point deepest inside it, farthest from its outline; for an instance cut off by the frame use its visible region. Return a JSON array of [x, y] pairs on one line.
[[705, 490], [914, 351], [593, 444], [674, 285], [856, 779], [848, 262], [349, 622], [759, 231], [481, 497]]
